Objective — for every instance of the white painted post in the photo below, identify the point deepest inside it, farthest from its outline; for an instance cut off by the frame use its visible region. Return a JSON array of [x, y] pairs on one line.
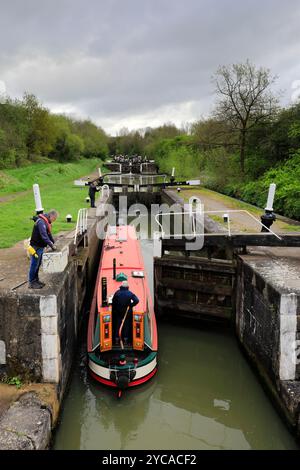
[[50, 340], [37, 198], [288, 337], [173, 171], [271, 195], [99, 172], [227, 219]]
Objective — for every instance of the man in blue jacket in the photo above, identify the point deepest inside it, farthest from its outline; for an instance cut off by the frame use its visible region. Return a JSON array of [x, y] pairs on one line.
[[40, 238], [123, 299]]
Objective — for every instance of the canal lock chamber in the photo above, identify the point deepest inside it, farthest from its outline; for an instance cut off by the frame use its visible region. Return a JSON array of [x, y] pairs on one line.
[[205, 394]]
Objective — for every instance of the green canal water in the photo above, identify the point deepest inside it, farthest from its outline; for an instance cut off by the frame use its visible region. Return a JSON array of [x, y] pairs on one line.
[[204, 396]]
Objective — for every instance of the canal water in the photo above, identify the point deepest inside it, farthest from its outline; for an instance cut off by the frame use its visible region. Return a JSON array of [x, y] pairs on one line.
[[204, 396]]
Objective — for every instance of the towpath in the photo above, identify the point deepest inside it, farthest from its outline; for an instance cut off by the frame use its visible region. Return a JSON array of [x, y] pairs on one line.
[[239, 221]]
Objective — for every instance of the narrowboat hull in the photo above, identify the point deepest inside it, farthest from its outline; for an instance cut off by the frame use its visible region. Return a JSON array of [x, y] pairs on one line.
[[109, 363], [143, 373]]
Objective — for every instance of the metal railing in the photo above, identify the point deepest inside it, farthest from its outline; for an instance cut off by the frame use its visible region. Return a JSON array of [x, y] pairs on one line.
[[81, 226], [193, 214]]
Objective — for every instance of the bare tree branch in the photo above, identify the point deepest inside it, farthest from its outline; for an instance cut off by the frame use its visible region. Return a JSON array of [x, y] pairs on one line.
[[244, 98]]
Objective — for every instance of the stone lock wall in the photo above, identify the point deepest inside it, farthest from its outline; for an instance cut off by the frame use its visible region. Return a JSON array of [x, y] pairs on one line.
[[268, 321], [20, 333], [39, 329], [268, 327]]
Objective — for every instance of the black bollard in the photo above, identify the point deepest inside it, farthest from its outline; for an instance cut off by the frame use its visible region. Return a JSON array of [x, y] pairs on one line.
[[267, 219]]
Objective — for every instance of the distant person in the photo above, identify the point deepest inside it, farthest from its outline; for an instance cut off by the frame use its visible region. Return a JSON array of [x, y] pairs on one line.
[[40, 238], [92, 193], [123, 299]]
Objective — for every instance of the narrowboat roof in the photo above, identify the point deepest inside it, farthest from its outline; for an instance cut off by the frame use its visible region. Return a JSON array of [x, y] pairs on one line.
[[121, 244]]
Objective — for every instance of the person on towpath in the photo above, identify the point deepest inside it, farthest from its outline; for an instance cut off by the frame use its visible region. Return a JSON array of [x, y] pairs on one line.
[[41, 237]]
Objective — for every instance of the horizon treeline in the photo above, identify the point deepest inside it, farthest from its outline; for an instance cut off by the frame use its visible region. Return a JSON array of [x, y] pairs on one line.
[[30, 133], [233, 154], [210, 149]]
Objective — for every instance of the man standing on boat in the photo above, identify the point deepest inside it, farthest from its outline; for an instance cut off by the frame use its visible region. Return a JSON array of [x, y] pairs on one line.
[[123, 300], [40, 238]]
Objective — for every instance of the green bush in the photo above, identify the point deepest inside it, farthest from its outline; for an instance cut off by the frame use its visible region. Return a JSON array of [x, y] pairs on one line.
[[221, 169], [8, 159], [14, 381], [286, 176], [177, 153]]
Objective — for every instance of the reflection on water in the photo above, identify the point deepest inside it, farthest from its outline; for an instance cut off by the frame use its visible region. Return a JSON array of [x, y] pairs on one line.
[[204, 396]]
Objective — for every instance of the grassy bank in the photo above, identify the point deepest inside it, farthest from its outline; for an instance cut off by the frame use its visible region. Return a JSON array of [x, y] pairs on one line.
[[45, 174], [57, 191]]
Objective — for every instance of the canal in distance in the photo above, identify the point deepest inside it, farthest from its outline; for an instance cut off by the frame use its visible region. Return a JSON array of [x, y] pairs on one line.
[[204, 396]]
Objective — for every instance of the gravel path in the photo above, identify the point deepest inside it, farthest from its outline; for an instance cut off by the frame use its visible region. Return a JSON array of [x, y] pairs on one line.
[[239, 221]]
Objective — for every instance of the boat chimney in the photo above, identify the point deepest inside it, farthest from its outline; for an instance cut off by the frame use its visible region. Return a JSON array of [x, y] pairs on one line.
[[104, 291], [114, 268]]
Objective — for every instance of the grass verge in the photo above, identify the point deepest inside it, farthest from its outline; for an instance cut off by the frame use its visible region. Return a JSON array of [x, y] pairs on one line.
[[57, 192]]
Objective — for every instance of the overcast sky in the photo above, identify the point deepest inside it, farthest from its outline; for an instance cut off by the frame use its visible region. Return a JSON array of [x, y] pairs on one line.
[[139, 63]]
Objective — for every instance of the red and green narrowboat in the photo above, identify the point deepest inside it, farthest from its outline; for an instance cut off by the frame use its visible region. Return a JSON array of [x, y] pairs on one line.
[[122, 365]]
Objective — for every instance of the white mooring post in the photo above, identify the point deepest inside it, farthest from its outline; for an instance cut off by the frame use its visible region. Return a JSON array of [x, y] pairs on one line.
[[37, 199], [271, 195]]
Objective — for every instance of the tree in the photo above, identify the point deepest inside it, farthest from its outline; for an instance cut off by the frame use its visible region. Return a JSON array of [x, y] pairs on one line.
[[244, 99], [94, 138], [127, 142], [14, 126], [273, 142], [40, 138], [68, 145], [211, 133]]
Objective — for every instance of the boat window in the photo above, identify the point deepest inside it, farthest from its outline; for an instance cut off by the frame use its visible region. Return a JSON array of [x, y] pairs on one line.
[[138, 274]]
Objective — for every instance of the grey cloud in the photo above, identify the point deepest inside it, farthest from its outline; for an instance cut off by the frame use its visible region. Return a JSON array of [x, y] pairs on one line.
[[115, 58]]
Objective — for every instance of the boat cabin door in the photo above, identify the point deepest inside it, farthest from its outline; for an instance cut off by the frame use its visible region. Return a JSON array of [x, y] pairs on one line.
[[105, 330], [138, 331]]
